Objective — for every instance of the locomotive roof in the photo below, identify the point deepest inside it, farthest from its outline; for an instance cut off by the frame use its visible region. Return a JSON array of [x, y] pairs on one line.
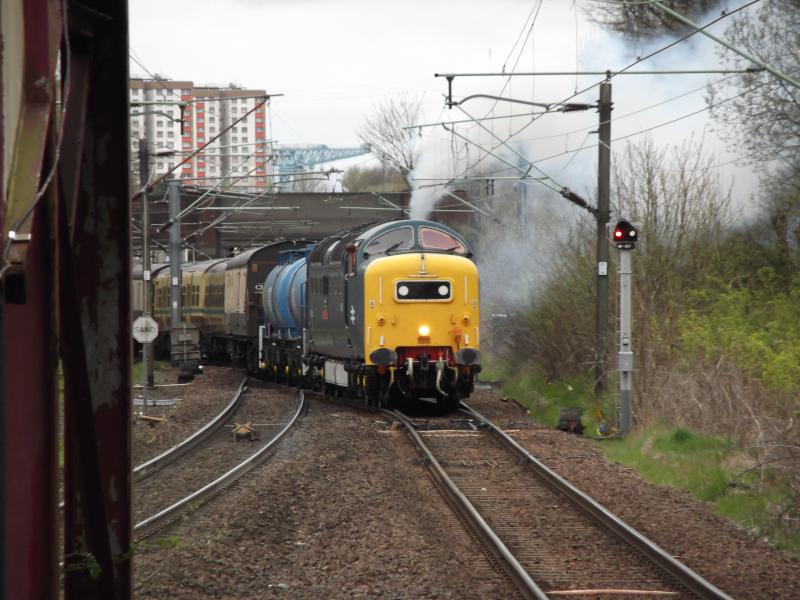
[[332, 248], [372, 230]]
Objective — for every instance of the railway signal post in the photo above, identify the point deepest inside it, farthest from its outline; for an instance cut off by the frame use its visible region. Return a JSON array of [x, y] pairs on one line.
[[625, 238], [144, 174], [184, 337], [174, 195]]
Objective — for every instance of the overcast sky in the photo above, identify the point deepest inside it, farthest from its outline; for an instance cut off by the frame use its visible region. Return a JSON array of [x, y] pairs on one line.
[[335, 60]]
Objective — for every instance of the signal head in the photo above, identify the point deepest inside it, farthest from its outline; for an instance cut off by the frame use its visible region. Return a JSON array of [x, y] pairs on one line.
[[625, 235]]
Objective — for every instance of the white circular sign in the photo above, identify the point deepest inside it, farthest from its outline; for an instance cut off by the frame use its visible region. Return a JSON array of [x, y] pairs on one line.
[[145, 330]]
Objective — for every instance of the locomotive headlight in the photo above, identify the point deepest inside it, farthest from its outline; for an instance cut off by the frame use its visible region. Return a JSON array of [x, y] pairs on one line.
[[402, 290], [424, 330], [444, 290]]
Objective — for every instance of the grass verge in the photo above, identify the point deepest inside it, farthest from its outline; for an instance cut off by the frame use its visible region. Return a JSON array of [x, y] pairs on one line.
[[545, 399], [714, 470], [138, 369]]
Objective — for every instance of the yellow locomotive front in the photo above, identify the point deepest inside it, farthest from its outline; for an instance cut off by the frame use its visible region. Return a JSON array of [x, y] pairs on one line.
[[422, 318]]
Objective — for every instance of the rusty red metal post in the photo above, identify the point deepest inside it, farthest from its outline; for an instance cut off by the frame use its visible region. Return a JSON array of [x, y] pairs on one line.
[[66, 290], [27, 332], [94, 297]]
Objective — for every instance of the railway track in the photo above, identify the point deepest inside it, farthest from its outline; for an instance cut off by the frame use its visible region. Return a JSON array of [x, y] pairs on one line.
[[153, 523], [549, 538], [195, 440]]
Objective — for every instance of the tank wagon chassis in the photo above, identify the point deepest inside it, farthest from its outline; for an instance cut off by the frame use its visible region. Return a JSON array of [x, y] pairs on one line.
[[385, 312]]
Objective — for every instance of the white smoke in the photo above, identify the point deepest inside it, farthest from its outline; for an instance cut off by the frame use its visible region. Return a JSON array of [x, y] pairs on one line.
[[640, 102], [517, 243], [423, 201]]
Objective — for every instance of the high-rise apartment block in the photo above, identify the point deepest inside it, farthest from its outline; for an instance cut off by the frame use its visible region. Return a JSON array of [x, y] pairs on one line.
[[176, 118]]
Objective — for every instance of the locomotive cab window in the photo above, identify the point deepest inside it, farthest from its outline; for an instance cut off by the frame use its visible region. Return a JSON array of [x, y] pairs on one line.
[[391, 241], [423, 291], [436, 239]]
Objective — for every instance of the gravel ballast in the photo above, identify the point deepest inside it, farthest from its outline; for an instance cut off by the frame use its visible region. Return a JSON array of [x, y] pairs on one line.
[[737, 562], [343, 509], [265, 409], [198, 402]]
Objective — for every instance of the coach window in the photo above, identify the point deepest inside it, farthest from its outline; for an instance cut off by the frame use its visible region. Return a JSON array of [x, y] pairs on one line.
[[436, 239], [401, 238]]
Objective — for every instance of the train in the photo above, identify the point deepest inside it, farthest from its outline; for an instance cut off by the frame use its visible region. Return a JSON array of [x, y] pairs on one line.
[[387, 313]]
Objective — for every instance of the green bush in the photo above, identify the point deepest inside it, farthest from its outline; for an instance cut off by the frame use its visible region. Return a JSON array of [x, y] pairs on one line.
[[758, 329]]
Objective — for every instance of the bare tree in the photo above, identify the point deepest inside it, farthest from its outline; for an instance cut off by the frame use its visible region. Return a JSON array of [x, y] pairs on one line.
[[383, 178], [386, 137], [306, 183], [640, 19], [681, 211], [764, 117]]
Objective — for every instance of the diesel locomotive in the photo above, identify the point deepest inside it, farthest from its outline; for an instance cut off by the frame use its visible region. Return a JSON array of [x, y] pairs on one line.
[[386, 312]]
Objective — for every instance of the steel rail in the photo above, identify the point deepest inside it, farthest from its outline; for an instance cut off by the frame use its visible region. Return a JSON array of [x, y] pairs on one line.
[[683, 574], [198, 437], [148, 526], [146, 469], [515, 571]]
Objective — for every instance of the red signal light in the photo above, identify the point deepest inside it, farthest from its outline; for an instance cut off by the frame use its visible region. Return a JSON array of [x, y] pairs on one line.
[[624, 235]]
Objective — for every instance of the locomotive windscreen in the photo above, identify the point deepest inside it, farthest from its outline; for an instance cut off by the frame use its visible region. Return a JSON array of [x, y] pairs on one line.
[[416, 290]]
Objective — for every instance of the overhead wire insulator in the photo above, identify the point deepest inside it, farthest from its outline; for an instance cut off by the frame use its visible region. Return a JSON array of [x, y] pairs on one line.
[[576, 199]]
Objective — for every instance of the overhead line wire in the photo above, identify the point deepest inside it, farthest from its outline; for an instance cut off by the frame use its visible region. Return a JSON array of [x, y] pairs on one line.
[[150, 186], [613, 74], [630, 114], [748, 56], [538, 8], [156, 79], [657, 126], [196, 202], [647, 129]]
